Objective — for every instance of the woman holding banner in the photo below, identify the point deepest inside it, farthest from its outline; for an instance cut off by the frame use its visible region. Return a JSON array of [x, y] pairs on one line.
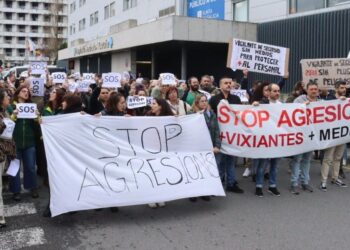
[[178, 107], [7, 145], [159, 108], [24, 136], [201, 106], [115, 106]]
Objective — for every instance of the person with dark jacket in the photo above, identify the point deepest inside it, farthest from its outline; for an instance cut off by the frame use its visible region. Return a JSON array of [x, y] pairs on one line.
[[226, 163], [71, 103], [115, 106], [98, 100]]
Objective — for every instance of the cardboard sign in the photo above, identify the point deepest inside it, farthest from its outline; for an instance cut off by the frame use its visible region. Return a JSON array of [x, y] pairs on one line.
[[111, 80], [89, 77], [8, 131], [136, 102], [83, 86], [326, 72], [241, 93], [59, 77], [38, 86], [168, 79], [38, 68], [26, 110], [258, 57]]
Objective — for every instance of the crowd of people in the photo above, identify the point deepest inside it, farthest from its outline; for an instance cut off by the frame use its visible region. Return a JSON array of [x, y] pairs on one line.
[[194, 96]]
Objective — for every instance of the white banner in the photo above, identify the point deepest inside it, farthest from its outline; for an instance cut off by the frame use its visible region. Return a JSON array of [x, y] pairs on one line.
[[89, 77], [326, 72], [26, 110], [8, 131], [38, 86], [38, 68], [111, 80], [59, 77], [280, 130], [120, 161], [136, 102], [258, 57]]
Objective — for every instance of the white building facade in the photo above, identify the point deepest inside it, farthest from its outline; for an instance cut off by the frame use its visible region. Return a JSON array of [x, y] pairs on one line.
[[38, 21]]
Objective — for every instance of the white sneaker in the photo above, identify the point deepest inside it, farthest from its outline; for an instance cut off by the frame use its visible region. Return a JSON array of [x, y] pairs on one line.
[[152, 205], [161, 204], [246, 172]]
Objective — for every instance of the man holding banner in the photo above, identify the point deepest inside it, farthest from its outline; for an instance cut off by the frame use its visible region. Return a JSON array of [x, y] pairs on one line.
[[301, 162], [333, 155], [226, 163]]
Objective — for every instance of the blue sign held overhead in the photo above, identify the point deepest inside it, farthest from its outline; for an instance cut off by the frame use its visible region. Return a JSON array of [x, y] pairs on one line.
[[213, 9]]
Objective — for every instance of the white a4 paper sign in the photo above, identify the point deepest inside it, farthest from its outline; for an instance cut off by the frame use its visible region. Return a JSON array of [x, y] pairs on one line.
[[137, 102], [26, 110], [111, 80], [38, 86], [168, 79]]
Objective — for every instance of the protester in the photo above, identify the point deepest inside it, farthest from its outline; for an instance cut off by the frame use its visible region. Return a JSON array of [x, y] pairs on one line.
[[298, 90], [271, 95], [201, 106], [191, 94], [24, 136], [301, 163], [115, 106], [332, 156], [227, 163], [206, 84], [71, 103], [159, 108], [98, 99], [178, 107], [7, 147]]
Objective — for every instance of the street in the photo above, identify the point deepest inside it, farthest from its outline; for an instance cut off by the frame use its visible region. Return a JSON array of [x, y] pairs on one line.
[[308, 221]]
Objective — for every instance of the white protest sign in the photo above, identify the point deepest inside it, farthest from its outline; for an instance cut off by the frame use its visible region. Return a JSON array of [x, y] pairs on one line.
[[59, 77], [83, 86], [89, 77], [136, 102], [38, 86], [168, 79], [325, 72], [281, 130], [258, 57], [111, 80], [38, 68], [77, 75], [126, 76], [72, 86], [208, 95], [13, 168], [8, 131], [123, 161], [26, 110], [241, 93], [149, 100]]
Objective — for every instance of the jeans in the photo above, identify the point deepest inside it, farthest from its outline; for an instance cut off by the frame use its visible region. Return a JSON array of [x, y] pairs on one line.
[[27, 157], [226, 164], [301, 165], [2, 219], [260, 164]]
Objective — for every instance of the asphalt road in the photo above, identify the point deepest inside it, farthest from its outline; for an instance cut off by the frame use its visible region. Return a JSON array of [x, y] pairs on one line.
[[318, 220]]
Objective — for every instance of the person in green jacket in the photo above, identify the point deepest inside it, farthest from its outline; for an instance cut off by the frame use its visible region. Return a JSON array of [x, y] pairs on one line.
[[24, 137]]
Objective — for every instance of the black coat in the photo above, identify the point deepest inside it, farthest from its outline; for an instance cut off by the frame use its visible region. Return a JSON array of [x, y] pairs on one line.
[[215, 100]]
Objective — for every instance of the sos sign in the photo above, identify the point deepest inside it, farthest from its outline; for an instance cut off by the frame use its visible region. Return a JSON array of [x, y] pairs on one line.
[[168, 79], [37, 85], [59, 77], [111, 80], [38, 68], [89, 77], [26, 110]]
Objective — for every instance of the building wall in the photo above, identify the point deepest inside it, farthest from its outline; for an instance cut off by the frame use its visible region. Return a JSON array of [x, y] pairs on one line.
[[325, 35], [25, 22]]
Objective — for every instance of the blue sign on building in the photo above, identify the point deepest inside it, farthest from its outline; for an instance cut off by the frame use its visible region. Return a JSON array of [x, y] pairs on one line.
[[214, 9]]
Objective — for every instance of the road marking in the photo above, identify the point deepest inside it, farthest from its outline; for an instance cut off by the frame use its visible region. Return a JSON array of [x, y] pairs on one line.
[[19, 209], [22, 238]]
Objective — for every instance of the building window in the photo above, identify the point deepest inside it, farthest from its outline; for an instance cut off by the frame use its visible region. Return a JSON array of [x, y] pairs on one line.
[[21, 16], [296, 6], [8, 39], [94, 18], [72, 7], [8, 52], [240, 11], [8, 27], [47, 18], [332, 3], [82, 2], [21, 28], [34, 29], [106, 12], [82, 24], [8, 4], [35, 5], [46, 6], [21, 52], [34, 17], [8, 16], [112, 9], [22, 5], [128, 4]]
